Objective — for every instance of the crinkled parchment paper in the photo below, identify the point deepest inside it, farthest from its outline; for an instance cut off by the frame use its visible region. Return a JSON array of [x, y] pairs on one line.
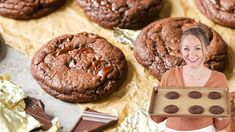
[[28, 36]]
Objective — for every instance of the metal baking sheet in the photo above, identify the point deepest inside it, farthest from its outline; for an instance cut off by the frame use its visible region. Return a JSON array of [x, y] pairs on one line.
[[159, 101]]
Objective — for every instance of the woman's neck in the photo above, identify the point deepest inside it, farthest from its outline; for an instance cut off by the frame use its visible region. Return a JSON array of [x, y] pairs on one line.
[[200, 70]]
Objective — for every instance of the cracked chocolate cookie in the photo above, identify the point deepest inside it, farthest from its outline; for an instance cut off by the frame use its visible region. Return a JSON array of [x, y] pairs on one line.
[[196, 109], [171, 109], [219, 11], [121, 13], [194, 94], [157, 47], [215, 109], [172, 95], [79, 68], [28, 9], [214, 95]]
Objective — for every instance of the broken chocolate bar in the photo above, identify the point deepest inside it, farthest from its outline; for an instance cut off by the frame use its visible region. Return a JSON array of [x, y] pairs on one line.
[[93, 121], [35, 108]]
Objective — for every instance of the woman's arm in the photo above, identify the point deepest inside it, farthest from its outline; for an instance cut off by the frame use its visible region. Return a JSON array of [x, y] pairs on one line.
[[221, 123], [163, 83]]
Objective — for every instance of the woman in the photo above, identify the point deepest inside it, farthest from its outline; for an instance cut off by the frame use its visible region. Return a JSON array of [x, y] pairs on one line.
[[193, 50]]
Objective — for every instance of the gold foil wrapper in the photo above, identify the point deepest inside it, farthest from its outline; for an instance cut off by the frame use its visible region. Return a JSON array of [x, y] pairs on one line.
[[125, 36], [13, 118], [139, 121], [11, 95], [5, 77], [16, 121]]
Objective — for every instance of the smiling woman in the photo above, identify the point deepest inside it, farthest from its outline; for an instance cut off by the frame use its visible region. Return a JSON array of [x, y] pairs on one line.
[[193, 48]]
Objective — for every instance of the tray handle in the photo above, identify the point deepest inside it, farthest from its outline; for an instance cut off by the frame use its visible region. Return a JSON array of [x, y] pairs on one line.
[[154, 91]]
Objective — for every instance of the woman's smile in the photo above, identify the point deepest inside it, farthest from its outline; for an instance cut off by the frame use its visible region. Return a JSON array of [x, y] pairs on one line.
[[193, 60]]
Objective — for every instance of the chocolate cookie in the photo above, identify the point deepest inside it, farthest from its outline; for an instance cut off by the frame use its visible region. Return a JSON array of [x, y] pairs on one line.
[[219, 11], [157, 47], [194, 95], [215, 109], [171, 109], [214, 95], [79, 68], [196, 109], [28, 9], [121, 13], [172, 95]]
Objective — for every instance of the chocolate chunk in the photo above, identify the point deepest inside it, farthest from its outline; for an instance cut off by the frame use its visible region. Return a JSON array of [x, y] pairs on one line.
[[196, 109], [171, 109], [93, 121], [35, 108], [195, 94], [214, 95], [215, 109], [172, 95]]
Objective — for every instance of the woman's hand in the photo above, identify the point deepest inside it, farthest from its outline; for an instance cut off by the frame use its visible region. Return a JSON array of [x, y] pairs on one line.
[[220, 118], [221, 123], [157, 119]]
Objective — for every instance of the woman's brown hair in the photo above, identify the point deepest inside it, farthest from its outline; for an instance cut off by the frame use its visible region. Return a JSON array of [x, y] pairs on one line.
[[199, 32]]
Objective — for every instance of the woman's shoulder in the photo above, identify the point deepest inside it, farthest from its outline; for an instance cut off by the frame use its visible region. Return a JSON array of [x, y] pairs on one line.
[[172, 77], [219, 79], [175, 69], [218, 74]]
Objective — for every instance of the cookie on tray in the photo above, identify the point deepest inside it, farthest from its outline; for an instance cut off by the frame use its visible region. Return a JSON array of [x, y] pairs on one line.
[[196, 109], [121, 13], [28, 9], [170, 109], [79, 68], [194, 94], [214, 95], [157, 47], [215, 109], [219, 11], [172, 95]]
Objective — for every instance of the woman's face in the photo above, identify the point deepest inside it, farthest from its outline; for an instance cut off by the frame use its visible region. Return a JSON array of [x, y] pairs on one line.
[[193, 52]]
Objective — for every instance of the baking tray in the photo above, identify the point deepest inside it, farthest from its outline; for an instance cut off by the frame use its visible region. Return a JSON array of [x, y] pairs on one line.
[[158, 101]]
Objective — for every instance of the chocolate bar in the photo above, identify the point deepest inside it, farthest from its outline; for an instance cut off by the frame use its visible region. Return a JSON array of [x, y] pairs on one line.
[[93, 121], [35, 108]]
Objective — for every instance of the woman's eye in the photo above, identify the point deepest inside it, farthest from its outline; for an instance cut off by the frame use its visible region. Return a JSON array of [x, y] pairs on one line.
[[186, 49], [198, 48]]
